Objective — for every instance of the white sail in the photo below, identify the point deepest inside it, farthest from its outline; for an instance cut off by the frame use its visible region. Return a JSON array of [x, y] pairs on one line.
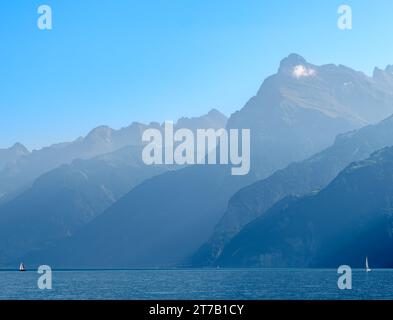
[[367, 266]]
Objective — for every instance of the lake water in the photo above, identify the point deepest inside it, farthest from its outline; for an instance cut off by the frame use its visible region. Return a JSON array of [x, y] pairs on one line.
[[198, 284]]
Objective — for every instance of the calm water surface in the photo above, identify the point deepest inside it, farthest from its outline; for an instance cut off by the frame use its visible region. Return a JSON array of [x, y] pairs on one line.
[[198, 284]]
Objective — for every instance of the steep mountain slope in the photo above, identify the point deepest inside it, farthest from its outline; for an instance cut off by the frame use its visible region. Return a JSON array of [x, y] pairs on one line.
[[297, 179], [342, 224], [8, 156], [300, 110]]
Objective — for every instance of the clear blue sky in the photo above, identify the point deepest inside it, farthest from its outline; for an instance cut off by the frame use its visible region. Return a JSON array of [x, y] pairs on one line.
[[114, 62]]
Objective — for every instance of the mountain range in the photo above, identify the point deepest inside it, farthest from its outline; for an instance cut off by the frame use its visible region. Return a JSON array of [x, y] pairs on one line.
[[300, 110], [296, 113], [18, 173], [68, 197], [64, 199], [297, 179], [347, 221]]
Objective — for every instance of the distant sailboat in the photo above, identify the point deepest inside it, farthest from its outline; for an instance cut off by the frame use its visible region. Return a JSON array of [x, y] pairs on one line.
[[367, 266], [22, 267]]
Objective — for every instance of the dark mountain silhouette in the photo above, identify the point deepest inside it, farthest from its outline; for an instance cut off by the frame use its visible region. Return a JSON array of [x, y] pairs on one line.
[[342, 224], [297, 179]]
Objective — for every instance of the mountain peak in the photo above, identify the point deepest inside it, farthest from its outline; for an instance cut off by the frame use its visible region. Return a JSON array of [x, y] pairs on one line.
[[296, 66], [384, 76], [213, 119], [19, 148], [389, 69], [292, 61], [101, 132], [216, 114]]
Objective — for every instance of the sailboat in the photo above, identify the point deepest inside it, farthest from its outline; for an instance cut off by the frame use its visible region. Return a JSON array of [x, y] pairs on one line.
[[367, 266], [22, 267]]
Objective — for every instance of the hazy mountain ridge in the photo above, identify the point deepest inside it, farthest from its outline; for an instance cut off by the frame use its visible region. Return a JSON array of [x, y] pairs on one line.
[[19, 174], [306, 106], [63, 200], [12, 154], [297, 179], [384, 77], [342, 224], [66, 198]]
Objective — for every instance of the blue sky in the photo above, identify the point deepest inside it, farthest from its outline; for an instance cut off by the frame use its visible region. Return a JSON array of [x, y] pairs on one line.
[[114, 62]]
